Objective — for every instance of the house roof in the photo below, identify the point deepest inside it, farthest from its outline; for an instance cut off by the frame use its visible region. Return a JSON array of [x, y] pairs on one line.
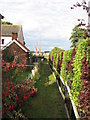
[[7, 30], [22, 46]]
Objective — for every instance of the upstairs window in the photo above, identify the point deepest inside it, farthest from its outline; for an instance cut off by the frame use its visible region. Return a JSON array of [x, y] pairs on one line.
[[2, 41]]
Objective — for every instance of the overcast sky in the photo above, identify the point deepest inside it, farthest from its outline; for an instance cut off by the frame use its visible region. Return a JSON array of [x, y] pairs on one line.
[[46, 23]]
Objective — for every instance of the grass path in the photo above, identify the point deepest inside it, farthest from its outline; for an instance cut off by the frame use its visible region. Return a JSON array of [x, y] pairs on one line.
[[48, 102]]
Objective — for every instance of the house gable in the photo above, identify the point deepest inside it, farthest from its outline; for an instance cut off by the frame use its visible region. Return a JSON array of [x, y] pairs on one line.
[[23, 47]]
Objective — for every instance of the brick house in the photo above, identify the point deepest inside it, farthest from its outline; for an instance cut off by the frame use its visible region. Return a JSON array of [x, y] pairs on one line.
[[12, 39], [17, 46], [11, 32]]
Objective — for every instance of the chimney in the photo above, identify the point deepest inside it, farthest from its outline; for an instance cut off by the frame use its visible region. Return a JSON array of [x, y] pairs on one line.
[[14, 36]]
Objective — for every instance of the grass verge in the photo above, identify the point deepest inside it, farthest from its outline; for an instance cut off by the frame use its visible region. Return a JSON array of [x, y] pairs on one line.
[[48, 102]]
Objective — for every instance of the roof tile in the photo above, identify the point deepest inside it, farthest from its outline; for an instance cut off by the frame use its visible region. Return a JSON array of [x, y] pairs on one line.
[[7, 30]]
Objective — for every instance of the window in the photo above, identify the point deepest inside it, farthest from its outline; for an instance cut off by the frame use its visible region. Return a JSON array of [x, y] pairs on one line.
[[2, 41]]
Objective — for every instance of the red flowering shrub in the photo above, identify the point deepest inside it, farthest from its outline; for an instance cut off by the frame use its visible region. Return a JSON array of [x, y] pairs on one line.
[[14, 94]]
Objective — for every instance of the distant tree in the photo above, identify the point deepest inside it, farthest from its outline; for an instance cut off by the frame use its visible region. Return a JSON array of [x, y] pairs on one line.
[[78, 35], [6, 23], [57, 50]]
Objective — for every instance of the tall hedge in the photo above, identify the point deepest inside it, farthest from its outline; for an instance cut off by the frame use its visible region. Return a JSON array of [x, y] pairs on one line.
[[77, 82], [75, 70], [64, 69], [55, 57]]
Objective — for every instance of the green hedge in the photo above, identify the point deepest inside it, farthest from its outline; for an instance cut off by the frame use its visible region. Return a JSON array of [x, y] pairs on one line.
[[66, 59], [55, 56], [71, 67], [77, 82]]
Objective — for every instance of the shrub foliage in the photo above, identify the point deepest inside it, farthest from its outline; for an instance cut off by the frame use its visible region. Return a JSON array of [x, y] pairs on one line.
[[74, 67]]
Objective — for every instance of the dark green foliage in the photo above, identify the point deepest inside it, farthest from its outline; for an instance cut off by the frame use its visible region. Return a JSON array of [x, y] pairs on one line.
[[55, 57], [77, 83], [6, 23], [76, 73], [29, 61], [8, 55], [67, 69], [77, 36]]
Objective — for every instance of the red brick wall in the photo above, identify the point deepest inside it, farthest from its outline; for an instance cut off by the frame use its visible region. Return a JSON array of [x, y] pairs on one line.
[[19, 52]]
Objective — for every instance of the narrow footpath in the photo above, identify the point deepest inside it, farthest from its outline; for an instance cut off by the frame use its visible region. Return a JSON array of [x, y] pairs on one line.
[[48, 102]]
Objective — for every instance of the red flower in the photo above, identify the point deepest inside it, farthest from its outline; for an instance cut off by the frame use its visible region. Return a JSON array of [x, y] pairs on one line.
[[12, 66], [16, 98], [9, 108], [5, 71], [24, 68], [35, 90], [25, 97], [6, 94], [31, 92], [12, 89]]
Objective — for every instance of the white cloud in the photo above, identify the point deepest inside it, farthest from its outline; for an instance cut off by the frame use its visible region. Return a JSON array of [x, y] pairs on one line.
[[45, 19]]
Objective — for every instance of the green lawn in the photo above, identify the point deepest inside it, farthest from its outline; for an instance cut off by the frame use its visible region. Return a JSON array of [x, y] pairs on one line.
[[48, 102]]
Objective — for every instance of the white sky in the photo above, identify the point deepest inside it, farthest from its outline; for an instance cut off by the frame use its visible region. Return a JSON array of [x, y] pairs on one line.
[[45, 22]]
